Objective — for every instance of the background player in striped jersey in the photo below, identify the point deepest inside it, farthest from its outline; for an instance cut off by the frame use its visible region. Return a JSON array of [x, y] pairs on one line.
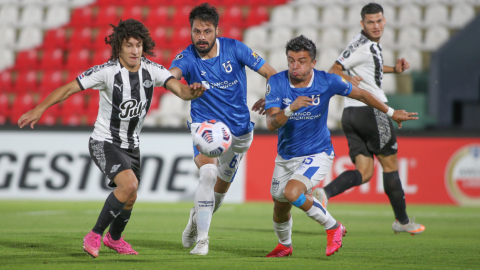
[[126, 85], [369, 131], [219, 63], [296, 104]]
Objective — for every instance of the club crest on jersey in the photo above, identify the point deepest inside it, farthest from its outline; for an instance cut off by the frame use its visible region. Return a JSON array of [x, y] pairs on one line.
[[179, 56], [287, 101], [147, 84], [132, 108], [316, 99], [346, 54], [275, 184], [269, 88], [227, 66]]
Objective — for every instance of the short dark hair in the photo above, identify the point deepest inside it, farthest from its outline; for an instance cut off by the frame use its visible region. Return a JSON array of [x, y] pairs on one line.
[[371, 8], [124, 31], [206, 13], [301, 43]]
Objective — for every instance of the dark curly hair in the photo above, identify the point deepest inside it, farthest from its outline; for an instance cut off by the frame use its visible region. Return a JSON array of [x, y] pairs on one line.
[[206, 13], [301, 43], [371, 8], [125, 30]]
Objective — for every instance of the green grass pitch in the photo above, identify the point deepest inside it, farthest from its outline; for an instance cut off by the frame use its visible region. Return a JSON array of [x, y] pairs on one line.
[[48, 235]]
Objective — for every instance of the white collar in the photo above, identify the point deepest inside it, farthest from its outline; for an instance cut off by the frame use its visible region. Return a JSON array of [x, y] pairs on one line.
[[309, 84], [218, 50]]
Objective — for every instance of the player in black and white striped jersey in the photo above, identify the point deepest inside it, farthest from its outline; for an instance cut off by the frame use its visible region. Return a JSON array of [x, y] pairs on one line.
[[125, 85], [369, 131]]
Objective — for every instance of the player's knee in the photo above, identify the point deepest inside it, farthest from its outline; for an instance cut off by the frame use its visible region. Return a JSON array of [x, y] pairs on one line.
[[131, 201], [291, 194], [366, 173], [208, 175]]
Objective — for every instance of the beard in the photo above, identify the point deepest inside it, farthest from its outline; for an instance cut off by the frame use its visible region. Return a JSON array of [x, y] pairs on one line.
[[205, 50]]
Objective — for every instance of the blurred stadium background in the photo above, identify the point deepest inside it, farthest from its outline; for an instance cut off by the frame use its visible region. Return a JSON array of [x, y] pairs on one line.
[[46, 43]]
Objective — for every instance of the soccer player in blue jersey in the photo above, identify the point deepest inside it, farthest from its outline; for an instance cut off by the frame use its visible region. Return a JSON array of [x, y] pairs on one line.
[[219, 63], [296, 104]]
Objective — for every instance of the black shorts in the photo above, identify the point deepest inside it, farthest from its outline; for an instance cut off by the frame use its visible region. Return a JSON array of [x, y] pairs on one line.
[[112, 160], [369, 132]]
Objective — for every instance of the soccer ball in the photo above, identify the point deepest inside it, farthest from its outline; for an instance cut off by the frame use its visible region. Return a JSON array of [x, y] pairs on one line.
[[212, 138]]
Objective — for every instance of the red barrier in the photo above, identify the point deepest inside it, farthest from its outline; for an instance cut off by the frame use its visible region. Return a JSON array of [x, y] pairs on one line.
[[432, 170]]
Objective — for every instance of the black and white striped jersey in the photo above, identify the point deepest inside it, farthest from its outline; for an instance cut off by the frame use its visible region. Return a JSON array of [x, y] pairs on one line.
[[363, 58], [125, 98]]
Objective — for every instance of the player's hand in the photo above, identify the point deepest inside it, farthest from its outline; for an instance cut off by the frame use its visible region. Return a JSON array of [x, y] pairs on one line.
[[259, 106], [197, 89], [31, 117], [401, 65], [301, 101], [401, 115], [355, 80]]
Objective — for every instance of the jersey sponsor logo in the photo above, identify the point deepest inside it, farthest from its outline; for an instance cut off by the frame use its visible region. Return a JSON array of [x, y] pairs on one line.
[[287, 101], [220, 85], [462, 175], [205, 203], [132, 108], [179, 56], [203, 72], [269, 88], [227, 66], [268, 101], [120, 87], [316, 99], [255, 55], [147, 84]]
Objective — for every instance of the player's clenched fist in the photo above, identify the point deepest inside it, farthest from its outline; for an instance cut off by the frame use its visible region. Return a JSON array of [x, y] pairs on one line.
[[301, 101]]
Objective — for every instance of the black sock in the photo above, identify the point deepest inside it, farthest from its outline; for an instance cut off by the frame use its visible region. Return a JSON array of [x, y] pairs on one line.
[[393, 188], [111, 209], [118, 225], [344, 181]]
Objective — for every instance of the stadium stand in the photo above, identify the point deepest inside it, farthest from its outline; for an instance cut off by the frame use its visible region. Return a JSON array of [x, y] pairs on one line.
[[46, 43]]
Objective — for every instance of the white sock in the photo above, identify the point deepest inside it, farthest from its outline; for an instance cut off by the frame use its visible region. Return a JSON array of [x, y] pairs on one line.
[[218, 200], [321, 215], [284, 231], [204, 199]]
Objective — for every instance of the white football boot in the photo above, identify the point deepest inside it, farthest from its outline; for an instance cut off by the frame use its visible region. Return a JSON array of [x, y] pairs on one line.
[[319, 193], [411, 227], [201, 248], [189, 235]]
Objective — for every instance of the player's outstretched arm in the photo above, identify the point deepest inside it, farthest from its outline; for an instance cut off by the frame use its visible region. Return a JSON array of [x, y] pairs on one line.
[[338, 69], [185, 92], [277, 118], [266, 71], [371, 100], [58, 95]]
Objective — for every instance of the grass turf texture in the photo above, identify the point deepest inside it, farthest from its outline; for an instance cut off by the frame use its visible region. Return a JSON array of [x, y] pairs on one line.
[[48, 235]]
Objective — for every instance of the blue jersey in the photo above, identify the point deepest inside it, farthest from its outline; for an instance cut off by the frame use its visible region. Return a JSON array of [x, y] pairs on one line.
[[306, 131], [224, 77]]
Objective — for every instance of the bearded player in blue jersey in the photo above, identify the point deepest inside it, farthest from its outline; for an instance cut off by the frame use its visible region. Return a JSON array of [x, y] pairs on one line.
[[296, 104], [219, 63]]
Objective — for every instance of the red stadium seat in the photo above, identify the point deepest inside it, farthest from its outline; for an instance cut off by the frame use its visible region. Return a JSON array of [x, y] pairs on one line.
[[180, 17], [99, 39], [73, 74], [75, 104], [107, 15], [232, 32], [257, 16], [50, 81], [233, 16], [101, 57], [55, 38], [6, 81], [73, 120], [92, 107], [157, 17], [78, 59], [27, 60], [26, 81], [4, 108], [135, 12], [159, 35], [52, 59], [81, 38], [158, 58], [48, 119], [181, 37], [82, 17]]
